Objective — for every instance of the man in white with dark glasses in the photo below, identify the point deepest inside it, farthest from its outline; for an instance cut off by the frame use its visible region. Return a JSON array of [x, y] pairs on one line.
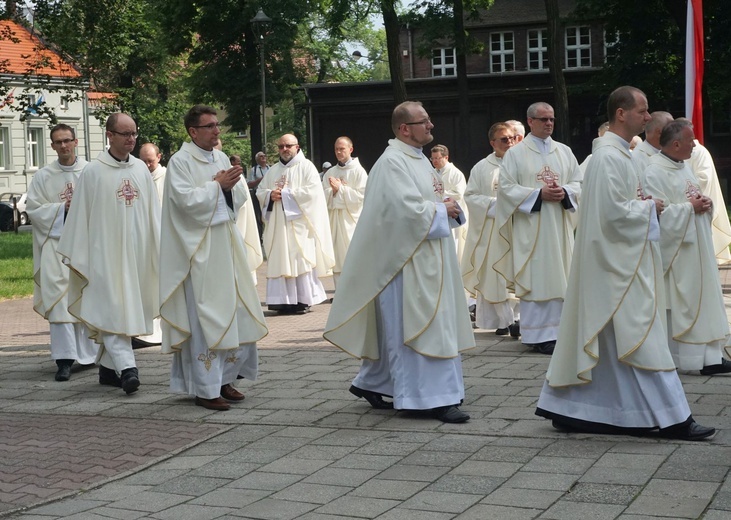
[[297, 239], [400, 305]]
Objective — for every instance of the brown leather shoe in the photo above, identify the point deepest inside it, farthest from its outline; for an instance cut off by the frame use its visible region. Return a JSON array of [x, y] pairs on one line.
[[213, 404], [229, 393]]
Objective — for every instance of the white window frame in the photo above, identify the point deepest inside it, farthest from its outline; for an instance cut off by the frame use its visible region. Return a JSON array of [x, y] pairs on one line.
[[443, 62], [580, 50], [36, 148], [505, 56], [608, 46], [5, 162], [538, 53]]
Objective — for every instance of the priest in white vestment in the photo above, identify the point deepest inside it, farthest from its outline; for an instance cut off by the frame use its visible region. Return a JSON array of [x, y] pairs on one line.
[[400, 305], [150, 155], [600, 132], [539, 186], [49, 199], [612, 371], [495, 308], [297, 239], [455, 185], [651, 145], [701, 163], [697, 324], [111, 242], [211, 314], [344, 186]]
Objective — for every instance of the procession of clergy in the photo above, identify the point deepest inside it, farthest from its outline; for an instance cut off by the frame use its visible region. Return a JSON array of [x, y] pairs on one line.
[[636, 297]]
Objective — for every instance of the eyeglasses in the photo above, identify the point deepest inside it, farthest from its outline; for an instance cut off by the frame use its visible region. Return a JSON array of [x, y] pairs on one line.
[[544, 119], [505, 140], [209, 126], [61, 142], [422, 122], [126, 135], [286, 146]]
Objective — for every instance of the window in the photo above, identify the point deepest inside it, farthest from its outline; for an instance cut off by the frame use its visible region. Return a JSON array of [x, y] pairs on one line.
[[64, 103], [537, 49], [502, 52], [4, 149], [36, 149], [610, 47], [443, 62], [578, 47]]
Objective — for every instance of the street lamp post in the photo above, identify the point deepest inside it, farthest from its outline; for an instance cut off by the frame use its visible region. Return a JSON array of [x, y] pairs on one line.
[[260, 22]]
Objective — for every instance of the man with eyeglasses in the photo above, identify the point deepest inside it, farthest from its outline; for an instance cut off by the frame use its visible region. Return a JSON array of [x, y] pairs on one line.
[[612, 371], [49, 199], [111, 242], [539, 186], [344, 186], [297, 238], [495, 308], [400, 306], [211, 314], [518, 129]]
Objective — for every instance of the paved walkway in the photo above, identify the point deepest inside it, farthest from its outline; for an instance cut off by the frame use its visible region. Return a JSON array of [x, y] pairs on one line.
[[300, 446]]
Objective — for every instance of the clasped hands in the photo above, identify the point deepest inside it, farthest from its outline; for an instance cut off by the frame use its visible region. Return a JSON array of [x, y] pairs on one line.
[[228, 178], [701, 204], [453, 210], [552, 193]]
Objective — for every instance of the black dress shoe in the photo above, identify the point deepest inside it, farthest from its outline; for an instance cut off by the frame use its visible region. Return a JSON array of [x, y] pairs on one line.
[[64, 369], [130, 380], [502, 332], [450, 414], [375, 399], [724, 367], [514, 329], [545, 348], [109, 377], [690, 432]]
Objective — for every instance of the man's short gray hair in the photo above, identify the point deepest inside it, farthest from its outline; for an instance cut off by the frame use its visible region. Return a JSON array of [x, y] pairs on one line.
[[673, 131], [532, 111]]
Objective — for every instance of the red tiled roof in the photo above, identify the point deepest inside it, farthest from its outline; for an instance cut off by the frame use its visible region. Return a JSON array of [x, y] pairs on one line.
[[24, 53]]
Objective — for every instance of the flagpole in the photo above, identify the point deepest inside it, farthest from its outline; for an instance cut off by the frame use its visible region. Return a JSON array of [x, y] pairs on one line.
[[694, 56]]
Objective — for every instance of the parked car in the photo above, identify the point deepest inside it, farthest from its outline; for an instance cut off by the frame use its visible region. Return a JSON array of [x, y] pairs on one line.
[[6, 210]]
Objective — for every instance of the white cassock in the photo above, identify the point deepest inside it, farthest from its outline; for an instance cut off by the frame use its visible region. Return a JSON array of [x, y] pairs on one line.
[[455, 185], [535, 257], [701, 163], [584, 164], [246, 224], [642, 153], [51, 187], [344, 207], [495, 309], [400, 306], [612, 365], [210, 308], [297, 238], [111, 242], [697, 323]]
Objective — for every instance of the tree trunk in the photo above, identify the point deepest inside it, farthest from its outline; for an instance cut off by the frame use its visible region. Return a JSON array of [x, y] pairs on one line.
[[555, 65], [392, 26], [460, 40]]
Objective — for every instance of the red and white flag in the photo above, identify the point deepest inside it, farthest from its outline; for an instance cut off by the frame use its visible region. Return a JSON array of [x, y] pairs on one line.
[[694, 52]]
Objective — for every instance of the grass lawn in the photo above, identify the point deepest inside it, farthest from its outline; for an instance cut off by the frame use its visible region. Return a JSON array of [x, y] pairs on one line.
[[16, 265]]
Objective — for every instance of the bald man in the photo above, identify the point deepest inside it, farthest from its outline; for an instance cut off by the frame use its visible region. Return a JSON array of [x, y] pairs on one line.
[[150, 155], [297, 239], [651, 145]]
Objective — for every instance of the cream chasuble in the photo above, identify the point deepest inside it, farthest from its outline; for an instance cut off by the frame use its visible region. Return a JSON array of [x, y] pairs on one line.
[[246, 224], [701, 164], [296, 246], [455, 185], [158, 178], [345, 206], [541, 242], [199, 244], [642, 153], [391, 238], [115, 209], [616, 274], [51, 187], [478, 274], [693, 288]]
